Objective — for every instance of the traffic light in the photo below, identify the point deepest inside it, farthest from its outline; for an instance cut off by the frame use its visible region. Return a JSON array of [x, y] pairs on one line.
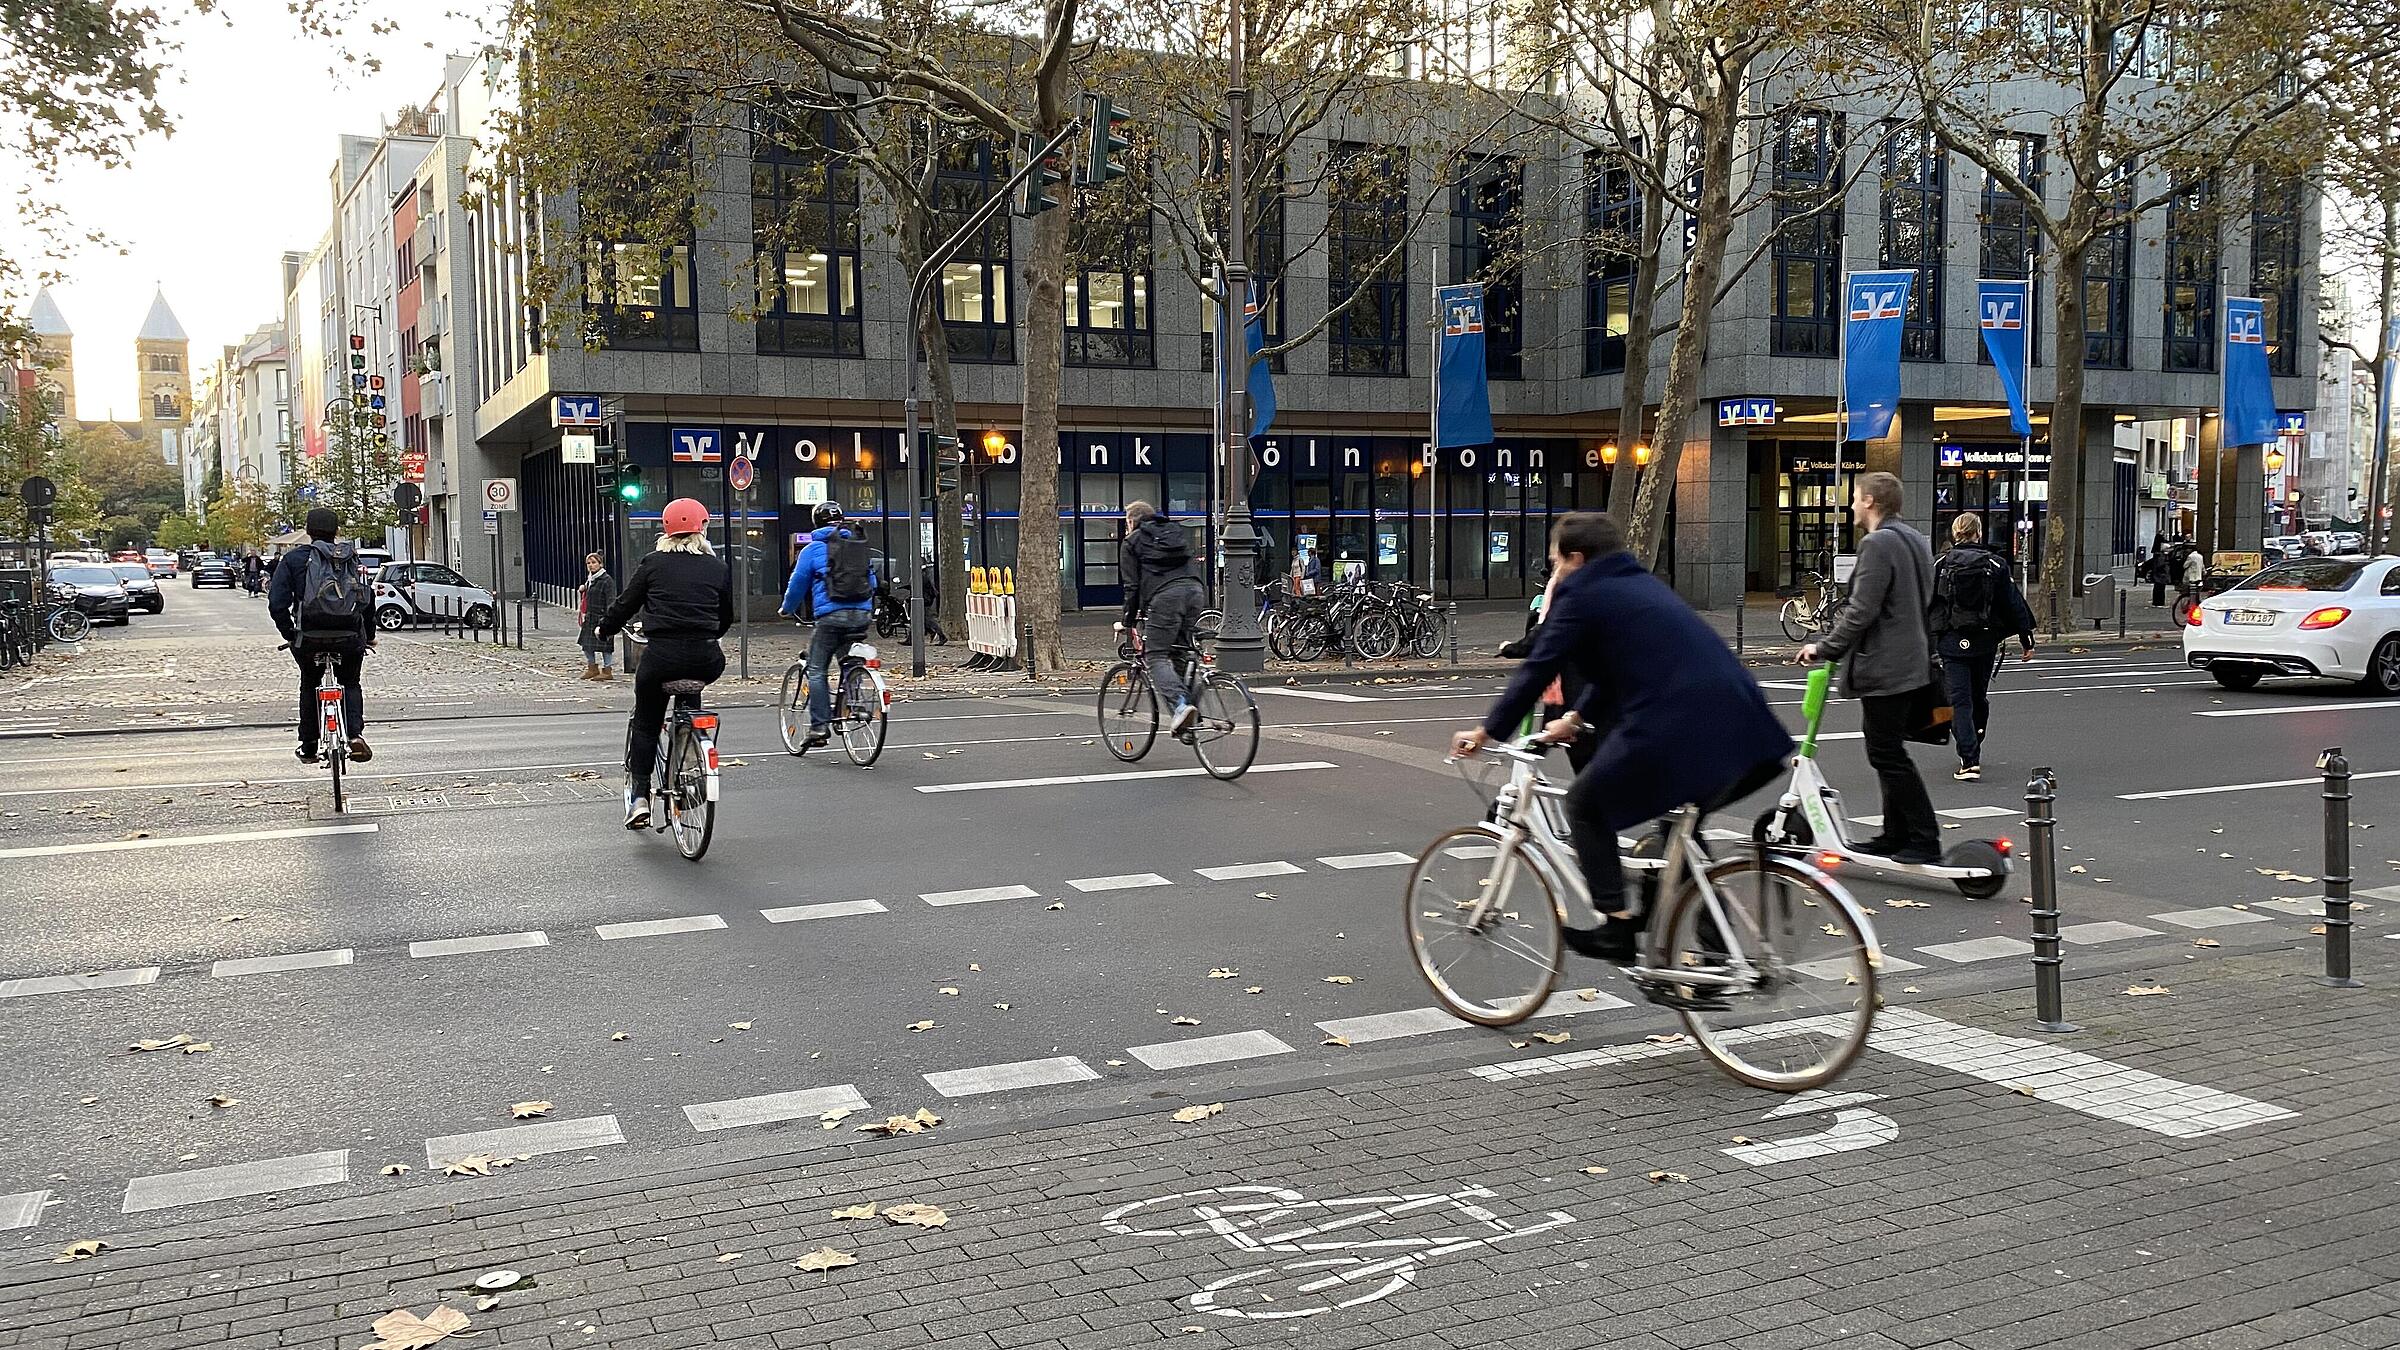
[[629, 484], [948, 455], [1105, 141], [1036, 193], [604, 463]]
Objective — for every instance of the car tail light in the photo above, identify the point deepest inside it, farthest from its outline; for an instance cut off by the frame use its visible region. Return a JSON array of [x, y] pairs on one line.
[[2324, 618], [2193, 618], [704, 721]]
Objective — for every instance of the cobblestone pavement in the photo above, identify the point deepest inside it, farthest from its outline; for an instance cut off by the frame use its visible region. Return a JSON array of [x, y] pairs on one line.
[[2207, 1167]]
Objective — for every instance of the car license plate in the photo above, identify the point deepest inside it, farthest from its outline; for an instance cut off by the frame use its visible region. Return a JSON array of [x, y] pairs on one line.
[[2251, 617]]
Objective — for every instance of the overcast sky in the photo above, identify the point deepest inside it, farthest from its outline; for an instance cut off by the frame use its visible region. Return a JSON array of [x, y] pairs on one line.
[[208, 212]]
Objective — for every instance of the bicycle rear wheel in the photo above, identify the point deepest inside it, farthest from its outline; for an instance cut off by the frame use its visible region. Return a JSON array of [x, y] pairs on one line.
[[337, 755], [1225, 735], [1798, 619], [864, 718], [1433, 632], [691, 816], [1128, 711], [69, 625], [1308, 637], [791, 709], [1376, 635], [1805, 1015], [1499, 971]]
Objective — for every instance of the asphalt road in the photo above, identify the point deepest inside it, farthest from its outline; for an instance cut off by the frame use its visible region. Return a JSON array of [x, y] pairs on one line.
[[1077, 921]]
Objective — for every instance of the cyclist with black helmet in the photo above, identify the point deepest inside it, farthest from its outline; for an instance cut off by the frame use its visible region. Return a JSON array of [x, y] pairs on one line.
[[684, 597], [836, 572]]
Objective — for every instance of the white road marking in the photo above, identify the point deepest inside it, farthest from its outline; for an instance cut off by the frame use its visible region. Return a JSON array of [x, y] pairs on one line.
[[774, 1106], [1324, 695], [977, 895], [61, 984], [1208, 1050], [2245, 787], [270, 965], [23, 1210], [832, 909], [1131, 881], [2355, 705], [546, 1136], [692, 923], [1575, 1059], [1979, 812], [1853, 1128], [496, 942], [1978, 949], [1839, 967], [184, 841], [1003, 1077], [2311, 908], [1348, 862], [2391, 893], [1070, 780], [1427, 1021], [279, 749], [1245, 871], [2093, 934], [485, 770], [264, 1177], [2214, 917]]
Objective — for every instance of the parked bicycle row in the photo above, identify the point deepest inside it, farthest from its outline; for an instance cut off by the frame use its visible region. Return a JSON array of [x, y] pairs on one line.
[[1355, 619]]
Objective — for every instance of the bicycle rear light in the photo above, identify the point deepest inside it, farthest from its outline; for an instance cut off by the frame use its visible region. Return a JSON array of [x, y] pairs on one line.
[[1829, 861], [704, 721]]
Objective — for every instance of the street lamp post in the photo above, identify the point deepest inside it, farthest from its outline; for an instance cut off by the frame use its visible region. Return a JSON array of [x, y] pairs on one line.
[[1241, 649]]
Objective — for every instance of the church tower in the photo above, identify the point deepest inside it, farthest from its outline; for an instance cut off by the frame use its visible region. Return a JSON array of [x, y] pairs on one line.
[[54, 353], [165, 381]]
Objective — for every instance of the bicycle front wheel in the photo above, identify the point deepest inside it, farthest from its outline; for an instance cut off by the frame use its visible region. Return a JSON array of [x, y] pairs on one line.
[[1799, 621], [1376, 636], [1433, 632], [69, 625], [864, 718], [691, 816], [1497, 970], [1225, 735], [1128, 711], [1802, 958], [791, 709]]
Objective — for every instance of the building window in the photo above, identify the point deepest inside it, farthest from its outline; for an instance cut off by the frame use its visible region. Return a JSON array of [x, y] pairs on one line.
[[1108, 276], [637, 295], [2191, 335], [1808, 247], [1915, 198], [1487, 211], [2108, 282], [1612, 238], [2275, 266], [2010, 236], [804, 233], [164, 407], [975, 284], [1266, 220], [1366, 191]]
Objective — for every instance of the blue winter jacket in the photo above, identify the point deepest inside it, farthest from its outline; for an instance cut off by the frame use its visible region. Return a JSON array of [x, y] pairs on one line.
[[808, 578]]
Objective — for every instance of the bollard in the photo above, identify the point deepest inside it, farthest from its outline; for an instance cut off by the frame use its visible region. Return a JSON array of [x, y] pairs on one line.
[[2041, 827], [1450, 612], [2120, 614], [1027, 642], [1740, 607], [2336, 768]]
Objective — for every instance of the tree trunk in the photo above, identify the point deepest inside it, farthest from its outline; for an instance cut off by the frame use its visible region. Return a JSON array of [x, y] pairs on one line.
[[2062, 535], [1640, 323], [949, 518], [1038, 572], [2379, 455]]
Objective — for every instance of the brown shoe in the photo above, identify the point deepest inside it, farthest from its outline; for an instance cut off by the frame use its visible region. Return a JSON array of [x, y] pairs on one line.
[[605, 675], [359, 749]]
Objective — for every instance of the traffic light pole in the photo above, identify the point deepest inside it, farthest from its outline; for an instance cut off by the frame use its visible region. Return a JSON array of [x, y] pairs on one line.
[[919, 292], [1241, 648]]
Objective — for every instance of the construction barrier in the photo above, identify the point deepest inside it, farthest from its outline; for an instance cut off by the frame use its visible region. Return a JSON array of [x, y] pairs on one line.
[[991, 618]]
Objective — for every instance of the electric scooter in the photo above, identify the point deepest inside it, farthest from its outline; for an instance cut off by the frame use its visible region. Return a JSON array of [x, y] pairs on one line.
[[1809, 819]]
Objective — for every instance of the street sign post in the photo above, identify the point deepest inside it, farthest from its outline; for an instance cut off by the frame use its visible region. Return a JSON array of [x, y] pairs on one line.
[[578, 447], [577, 410], [491, 522], [499, 494], [741, 474]]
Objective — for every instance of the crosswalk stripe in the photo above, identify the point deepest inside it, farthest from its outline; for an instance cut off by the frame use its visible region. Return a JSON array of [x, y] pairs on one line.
[[1352, 861], [23, 1210], [1002, 1077], [1428, 1021], [977, 895], [2109, 930], [272, 965], [1244, 871], [544, 1136], [1131, 881], [61, 984], [264, 1177], [1839, 967], [182, 840], [832, 909], [773, 1106], [495, 942], [1073, 779], [693, 923], [1978, 949], [2215, 916], [1322, 695], [1201, 1050]]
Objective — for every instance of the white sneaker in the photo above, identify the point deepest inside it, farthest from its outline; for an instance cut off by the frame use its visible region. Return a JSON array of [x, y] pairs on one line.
[[1969, 773], [637, 811], [1185, 715]]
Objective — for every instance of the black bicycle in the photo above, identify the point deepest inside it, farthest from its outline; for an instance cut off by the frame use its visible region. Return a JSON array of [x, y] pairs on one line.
[[1224, 735]]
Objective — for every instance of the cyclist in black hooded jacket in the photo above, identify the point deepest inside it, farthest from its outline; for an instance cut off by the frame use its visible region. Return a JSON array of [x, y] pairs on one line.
[[1163, 593]]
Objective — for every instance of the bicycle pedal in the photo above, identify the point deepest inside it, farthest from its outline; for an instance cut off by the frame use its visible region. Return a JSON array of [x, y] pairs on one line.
[[1667, 998]]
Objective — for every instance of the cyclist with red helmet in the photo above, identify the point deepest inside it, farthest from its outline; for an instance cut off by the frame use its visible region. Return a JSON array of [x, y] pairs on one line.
[[683, 595]]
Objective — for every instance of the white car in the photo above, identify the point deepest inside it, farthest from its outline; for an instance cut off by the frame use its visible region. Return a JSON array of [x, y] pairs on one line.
[[162, 563], [423, 592], [2333, 618]]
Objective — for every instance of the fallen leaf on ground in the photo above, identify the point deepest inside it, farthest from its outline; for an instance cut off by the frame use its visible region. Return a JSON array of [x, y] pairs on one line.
[[1588, 995], [1342, 1041], [145, 1046], [1831, 930], [231, 918], [620, 1036], [1339, 979], [1255, 989], [917, 1216], [825, 1258], [401, 1329], [2318, 931], [198, 1048], [1899, 902], [1190, 1114], [1656, 1177], [1268, 895], [1554, 1037], [920, 1026], [1665, 1038], [1221, 973], [475, 1165], [737, 1026], [528, 1110], [1912, 989], [2206, 942], [949, 989], [725, 1257], [221, 1101], [1184, 1022], [865, 1211], [2144, 990], [1001, 1006], [80, 1249], [395, 1169], [1595, 1171], [1060, 904], [2079, 869], [922, 1121]]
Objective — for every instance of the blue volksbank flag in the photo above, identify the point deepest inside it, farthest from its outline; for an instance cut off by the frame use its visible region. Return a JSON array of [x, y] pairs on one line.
[[1462, 412], [2002, 308], [1262, 380], [1871, 351], [2249, 394]]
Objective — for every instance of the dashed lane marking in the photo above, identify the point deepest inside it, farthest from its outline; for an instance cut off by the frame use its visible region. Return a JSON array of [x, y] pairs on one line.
[[1348, 862], [832, 909], [2360, 706], [1322, 695], [2245, 787], [61, 984], [23, 1210], [1978, 949], [1978, 812], [1429, 1021], [2093, 934], [1245, 871], [1131, 881], [184, 841], [808, 1103], [2216, 916], [264, 1177], [1839, 967], [1074, 779], [1201, 1050], [547, 1136], [977, 895], [692, 923], [1003, 1077], [495, 942], [273, 965]]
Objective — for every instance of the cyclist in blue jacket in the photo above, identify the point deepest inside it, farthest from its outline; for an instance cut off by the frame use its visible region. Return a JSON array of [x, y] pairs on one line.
[[840, 621]]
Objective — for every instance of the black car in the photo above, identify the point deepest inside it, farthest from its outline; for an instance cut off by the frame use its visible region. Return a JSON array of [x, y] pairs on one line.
[[141, 588], [94, 589], [210, 570]]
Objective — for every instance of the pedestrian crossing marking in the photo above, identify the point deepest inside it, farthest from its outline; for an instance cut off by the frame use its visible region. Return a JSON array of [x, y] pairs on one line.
[[613, 932], [23, 1210], [59, 984], [1131, 881], [1245, 871], [467, 946], [234, 1180], [771, 1107], [545, 1136], [1199, 1050], [1027, 1073], [2217, 916], [832, 909], [274, 965], [978, 895], [1347, 862]]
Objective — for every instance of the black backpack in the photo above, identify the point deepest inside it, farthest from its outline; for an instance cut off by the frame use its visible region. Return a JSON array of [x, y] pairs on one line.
[[849, 568], [1969, 587], [333, 596]]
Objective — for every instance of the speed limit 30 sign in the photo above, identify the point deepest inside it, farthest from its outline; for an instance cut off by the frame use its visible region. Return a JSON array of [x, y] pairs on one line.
[[499, 494]]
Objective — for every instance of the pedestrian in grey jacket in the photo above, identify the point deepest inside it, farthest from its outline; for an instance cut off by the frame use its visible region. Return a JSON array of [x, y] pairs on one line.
[[1887, 656]]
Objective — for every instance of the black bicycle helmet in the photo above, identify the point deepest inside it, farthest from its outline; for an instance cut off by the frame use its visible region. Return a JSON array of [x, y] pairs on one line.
[[826, 513]]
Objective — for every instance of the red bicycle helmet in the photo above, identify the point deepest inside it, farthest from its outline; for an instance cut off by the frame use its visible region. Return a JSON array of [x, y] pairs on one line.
[[683, 516]]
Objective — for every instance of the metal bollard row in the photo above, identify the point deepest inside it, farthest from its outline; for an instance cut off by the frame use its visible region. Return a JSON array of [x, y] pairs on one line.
[[2041, 828], [2335, 767]]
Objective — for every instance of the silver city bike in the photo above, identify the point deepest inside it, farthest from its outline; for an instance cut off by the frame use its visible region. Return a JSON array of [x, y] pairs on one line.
[[862, 705], [683, 775], [1768, 962]]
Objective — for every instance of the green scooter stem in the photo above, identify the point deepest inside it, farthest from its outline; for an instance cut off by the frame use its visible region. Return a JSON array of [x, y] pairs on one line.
[[1812, 706]]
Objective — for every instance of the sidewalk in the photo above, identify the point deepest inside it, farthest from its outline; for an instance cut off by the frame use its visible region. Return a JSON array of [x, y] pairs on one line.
[[2027, 1194]]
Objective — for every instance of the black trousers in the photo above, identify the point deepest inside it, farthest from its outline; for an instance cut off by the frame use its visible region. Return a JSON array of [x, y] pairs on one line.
[[1968, 660], [1589, 812], [666, 658], [1167, 626], [1907, 811], [346, 665]]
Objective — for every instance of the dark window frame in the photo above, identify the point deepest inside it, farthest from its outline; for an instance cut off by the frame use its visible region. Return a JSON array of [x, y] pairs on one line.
[[971, 171], [1806, 161], [1112, 241], [1367, 217], [1612, 209], [2010, 240], [672, 322], [2192, 248], [2108, 323], [2275, 264], [804, 194], [1912, 233], [1268, 219], [1487, 218]]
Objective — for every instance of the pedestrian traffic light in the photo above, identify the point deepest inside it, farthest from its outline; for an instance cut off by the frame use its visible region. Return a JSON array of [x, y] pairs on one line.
[[1104, 141], [1035, 193], [629, 483], [948, 455], [604, 463]]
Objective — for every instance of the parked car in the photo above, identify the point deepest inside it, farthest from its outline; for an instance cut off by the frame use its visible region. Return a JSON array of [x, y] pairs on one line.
[[423, 592], [2348, 541], [129, 555], [94, 589], [184, 558], [162, 563], [210, 570], [372, 561], [2279, 547], [2334, 618], [141, 588], [78, 555]]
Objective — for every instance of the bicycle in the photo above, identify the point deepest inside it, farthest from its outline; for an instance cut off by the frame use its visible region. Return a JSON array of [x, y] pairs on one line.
[[333, 737], [683, 775], [862, 706], [1225, 734], [1725, 947], [1809, 612]]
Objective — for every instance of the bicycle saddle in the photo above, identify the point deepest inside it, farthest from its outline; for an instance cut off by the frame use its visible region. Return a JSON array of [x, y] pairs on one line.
[[680, 687]]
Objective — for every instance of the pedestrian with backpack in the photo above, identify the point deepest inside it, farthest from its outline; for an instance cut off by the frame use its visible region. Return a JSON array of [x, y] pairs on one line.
[[1976, 605], [320, 603], [836, 573]]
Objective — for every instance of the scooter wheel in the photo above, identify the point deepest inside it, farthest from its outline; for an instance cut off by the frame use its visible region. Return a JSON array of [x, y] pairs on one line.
[[1979, 853], [1795, 832]]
